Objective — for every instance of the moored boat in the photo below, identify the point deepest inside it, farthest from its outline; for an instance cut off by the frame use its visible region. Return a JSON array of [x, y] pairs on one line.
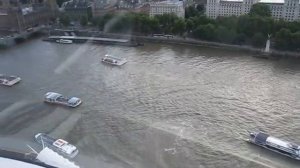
[[58, 145], [274, 144], [9, 80], [56, 98], [113, 60], [64, 41]]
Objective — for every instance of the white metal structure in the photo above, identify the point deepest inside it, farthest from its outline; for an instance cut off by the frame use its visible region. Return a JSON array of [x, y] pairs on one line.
[[59, 145], [113, 60], [280, 9], [56, 98], [172, 6], [9, 80]]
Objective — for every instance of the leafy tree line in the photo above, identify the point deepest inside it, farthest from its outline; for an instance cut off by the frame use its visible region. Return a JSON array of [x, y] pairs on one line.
[[250, 29], [140, 23]]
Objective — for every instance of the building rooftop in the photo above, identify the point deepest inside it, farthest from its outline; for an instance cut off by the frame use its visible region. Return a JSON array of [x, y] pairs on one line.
[[261, 1], [75, 4], [272, 1], [172, 2], [232, 0]]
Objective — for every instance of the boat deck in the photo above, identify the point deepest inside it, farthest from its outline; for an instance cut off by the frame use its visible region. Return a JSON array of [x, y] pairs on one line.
[[62, 100], [97, 40], [9, 80], [120, 61]]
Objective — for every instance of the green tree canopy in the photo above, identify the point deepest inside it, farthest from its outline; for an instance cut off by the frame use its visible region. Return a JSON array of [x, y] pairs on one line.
[[205, 32], [258, 40], [190, 11], [283, 39], [224, 34], [249, 25], [65, 20], [179, 27], [83, 20], [260, 10], [60, 2]]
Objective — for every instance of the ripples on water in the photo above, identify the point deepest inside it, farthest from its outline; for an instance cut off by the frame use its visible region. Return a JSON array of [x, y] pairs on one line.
[[169, 106]]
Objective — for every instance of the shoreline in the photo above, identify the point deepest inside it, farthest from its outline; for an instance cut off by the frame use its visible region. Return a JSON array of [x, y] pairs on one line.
[[189, 41], [257, 52]]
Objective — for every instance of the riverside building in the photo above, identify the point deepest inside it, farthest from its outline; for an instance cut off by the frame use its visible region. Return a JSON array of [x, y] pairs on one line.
[[159, 8], [280, 9]]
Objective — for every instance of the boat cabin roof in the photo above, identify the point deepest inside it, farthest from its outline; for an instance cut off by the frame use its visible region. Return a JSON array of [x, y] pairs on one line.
[[261, 137], [59, 143], [53, 95]]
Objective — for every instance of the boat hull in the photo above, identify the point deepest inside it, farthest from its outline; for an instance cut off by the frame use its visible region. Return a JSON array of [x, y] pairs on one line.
[[116, 64], [273, 150], [63, 103]]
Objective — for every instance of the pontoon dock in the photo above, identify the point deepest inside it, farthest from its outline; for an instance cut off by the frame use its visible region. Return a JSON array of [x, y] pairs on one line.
[[99, 40]]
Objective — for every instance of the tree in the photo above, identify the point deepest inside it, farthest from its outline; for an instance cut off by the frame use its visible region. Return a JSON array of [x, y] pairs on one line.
[[190, 11], [295, 42], [228, 22], [154, 25], [283, 39], [200, 8], [166, 22], [240, 39], [202, 20], [249, 25], [258, 40], [205, 32], [190, 25], [260, 10], [83, 20], [179, 27], [60, 2], [89, 13], [224, 34], [65, 20], [293, 26]]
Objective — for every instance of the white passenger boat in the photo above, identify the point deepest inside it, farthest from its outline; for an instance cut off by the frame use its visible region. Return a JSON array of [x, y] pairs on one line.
[[274, 144], [64, 41], [58, 145], [56, 98], [9, 80], [113, 60]]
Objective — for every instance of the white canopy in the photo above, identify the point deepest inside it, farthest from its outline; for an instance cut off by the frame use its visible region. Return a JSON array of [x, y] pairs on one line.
[[11, 163], [52, 158]]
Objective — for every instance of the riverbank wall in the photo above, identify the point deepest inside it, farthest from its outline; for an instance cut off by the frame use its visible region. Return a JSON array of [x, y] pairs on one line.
[[14, 39], [259, 52]]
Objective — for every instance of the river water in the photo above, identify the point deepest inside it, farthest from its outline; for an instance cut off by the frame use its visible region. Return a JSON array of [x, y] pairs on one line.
[[170, 106]]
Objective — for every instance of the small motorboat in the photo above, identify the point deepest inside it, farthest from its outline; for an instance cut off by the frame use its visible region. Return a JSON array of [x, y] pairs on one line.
[[9, 80], [113, 60], [274, 144], [58, 145], [64, 41], [56, 98]]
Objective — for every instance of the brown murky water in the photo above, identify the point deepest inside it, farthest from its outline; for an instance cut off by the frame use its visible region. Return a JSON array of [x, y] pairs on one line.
[[170, 106]]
